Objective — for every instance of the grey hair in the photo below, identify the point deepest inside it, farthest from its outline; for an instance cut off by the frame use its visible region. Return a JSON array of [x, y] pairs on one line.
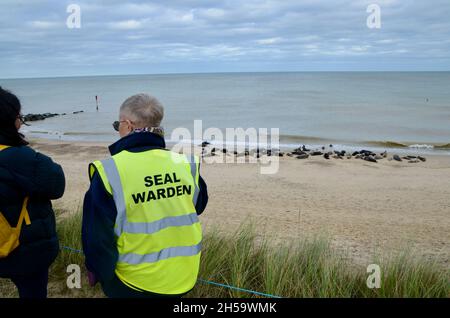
[[143, 110]]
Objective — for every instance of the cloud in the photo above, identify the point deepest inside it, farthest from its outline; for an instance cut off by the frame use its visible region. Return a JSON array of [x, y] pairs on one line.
[[211, 13], [44, 24], [126, 25], [269, 41], [214, 35]]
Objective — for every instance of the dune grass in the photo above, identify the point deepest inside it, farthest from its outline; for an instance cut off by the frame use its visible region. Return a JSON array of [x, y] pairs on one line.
[[306, 268]]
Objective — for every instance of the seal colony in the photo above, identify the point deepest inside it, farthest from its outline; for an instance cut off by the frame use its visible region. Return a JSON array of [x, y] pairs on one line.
[[302, 153]]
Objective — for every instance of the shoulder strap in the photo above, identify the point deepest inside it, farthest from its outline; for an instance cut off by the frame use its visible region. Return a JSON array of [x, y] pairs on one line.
[[23, 216], [3, 147]]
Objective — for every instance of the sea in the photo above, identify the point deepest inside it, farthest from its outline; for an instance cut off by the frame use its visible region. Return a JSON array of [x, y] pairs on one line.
[[405, 111]]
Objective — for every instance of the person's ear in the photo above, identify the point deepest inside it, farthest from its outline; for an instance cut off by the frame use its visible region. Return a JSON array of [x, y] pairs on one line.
[[18, 123], [129, 126]]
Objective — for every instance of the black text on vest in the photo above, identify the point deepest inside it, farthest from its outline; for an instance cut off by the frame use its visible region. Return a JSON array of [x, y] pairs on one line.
[[161, 193]]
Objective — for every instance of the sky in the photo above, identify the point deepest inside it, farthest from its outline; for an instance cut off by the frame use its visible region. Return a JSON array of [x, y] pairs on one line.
[[190, 36]]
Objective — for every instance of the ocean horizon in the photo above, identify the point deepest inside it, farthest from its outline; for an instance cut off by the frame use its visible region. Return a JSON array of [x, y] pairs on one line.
[[376, 110]]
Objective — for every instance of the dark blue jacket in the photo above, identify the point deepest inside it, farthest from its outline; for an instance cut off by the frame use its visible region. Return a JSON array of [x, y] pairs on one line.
[[25, 172], [99, 210]]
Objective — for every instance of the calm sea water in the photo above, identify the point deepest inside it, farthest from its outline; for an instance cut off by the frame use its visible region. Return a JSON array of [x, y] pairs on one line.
[[372, 109]]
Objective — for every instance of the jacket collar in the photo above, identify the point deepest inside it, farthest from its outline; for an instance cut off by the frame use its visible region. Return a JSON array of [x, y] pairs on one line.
[[7, 142], [137, 140], [3, 141]]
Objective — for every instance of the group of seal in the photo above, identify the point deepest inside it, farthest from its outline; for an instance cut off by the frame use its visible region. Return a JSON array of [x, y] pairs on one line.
[[258, 152], [367, 155], [327, 153]]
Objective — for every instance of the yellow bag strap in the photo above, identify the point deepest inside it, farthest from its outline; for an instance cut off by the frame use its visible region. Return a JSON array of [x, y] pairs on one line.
[[24, 213], [23, 216]]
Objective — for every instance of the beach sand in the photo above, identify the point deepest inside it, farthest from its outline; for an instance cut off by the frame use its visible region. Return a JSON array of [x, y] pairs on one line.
[[365, 208]]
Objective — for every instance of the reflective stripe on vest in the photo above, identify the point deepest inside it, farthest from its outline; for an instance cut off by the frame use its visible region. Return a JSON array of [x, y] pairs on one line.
[[135, 259], [194, 172], [153, 227], [117, 191]]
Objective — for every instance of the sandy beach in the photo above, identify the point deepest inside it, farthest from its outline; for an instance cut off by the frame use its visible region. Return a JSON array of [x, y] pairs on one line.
[[364, 208]]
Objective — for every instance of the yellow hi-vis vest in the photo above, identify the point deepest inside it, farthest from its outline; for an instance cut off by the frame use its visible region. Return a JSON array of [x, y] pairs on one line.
[[158, 232]]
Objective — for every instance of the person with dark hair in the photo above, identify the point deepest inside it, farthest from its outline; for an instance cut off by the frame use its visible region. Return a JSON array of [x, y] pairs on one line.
[[10, 118], [28, 181]]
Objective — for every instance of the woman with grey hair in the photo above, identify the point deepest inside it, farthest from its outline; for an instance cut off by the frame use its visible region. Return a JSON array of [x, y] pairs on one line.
[[140, 112]]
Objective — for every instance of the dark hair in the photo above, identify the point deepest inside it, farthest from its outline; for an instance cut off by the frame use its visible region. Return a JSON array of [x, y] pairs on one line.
[[9, 110]]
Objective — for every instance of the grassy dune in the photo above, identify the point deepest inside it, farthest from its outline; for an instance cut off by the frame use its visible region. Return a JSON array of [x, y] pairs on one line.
[[308, 268]]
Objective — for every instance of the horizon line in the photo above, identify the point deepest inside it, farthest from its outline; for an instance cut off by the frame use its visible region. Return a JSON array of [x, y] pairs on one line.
[[228, 72]]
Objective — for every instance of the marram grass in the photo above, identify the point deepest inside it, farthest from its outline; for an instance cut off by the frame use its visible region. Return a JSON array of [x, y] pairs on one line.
[[304, 268]]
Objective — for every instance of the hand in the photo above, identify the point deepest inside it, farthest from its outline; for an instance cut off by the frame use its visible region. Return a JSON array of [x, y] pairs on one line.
[[92, 279]]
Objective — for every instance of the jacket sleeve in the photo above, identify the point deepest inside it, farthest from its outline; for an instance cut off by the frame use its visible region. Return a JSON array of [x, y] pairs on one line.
[[49, 178], [98, 238], [202, 199]]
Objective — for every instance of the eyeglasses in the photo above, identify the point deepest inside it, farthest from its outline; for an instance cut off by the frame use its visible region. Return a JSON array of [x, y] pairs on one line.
[[22, 120], [116, 124]]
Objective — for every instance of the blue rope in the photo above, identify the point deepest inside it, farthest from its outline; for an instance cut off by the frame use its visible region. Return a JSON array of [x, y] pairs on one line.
[[200, 280], [72, 249], [237, 288]]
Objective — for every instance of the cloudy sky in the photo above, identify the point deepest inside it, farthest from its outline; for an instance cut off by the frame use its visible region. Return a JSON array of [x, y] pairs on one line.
[[191, 36]]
